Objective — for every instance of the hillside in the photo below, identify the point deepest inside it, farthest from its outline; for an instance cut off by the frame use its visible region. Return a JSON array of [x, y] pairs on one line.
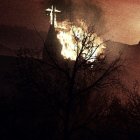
[[12, 38]]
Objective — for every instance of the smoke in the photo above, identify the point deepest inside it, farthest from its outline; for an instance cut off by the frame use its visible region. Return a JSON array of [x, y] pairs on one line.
[[90, 12]]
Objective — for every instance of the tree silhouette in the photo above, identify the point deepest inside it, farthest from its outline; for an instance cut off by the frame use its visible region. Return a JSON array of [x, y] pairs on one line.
[[133, 108], [65, 89]]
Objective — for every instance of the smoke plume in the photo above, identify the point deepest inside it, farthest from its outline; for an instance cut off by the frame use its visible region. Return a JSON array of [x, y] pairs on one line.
[[91, 12]]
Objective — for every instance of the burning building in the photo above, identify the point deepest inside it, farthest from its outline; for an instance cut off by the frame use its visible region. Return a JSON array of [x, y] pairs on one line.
[[65, 40], [52, 46]]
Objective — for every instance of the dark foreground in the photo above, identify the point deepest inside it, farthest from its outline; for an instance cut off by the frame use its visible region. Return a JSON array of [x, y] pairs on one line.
[[26, 112]]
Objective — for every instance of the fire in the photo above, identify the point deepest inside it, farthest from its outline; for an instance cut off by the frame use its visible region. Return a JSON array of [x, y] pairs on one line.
[[71, 38]]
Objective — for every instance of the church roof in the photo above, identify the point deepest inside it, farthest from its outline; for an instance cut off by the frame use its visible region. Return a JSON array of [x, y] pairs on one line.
[[52, 45]]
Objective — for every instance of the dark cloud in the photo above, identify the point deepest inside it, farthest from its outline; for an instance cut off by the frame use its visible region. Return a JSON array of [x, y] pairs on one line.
[[92, 13], [86, 10]]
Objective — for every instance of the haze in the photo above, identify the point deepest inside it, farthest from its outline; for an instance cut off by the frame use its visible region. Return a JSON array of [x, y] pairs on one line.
[[122, 17]]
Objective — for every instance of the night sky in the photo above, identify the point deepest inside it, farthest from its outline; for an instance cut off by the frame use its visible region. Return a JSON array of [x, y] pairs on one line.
[[120, 19]]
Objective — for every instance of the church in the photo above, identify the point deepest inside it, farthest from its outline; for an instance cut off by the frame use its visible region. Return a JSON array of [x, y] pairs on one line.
[[52, 47]]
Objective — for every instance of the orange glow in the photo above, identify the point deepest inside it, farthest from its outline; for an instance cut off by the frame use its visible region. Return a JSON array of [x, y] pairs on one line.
[[71, 37]]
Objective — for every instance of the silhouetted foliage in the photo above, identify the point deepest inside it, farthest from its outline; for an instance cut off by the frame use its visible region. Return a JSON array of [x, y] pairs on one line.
[[64, 91], [70, 99]]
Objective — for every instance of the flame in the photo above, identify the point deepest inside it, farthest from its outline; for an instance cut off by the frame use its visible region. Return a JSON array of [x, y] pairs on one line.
[[71, 38]]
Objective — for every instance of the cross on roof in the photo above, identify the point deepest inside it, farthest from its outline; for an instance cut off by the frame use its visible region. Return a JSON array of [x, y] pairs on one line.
[[53, 12]]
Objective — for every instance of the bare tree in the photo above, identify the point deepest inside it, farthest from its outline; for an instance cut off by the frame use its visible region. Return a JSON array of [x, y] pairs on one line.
[[86, 75], [133, 107], [69, 86]]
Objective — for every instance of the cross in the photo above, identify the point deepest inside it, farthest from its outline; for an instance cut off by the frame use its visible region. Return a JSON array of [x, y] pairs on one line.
[[53, 12]]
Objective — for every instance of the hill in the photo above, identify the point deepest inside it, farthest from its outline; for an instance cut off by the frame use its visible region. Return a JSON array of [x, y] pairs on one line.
[[13, 38]]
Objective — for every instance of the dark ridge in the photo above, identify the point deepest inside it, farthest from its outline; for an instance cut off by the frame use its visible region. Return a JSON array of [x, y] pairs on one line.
[[15, 37]]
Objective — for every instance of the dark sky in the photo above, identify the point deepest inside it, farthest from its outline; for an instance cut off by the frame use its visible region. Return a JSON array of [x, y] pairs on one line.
[[121, 17]]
